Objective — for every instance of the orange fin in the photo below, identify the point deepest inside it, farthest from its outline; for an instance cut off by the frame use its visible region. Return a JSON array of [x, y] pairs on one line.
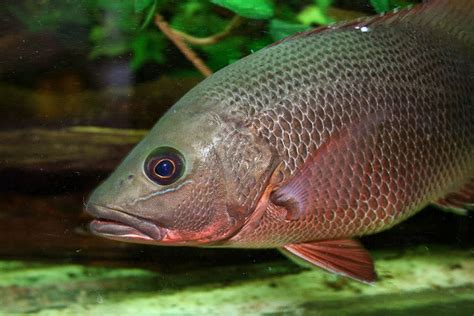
[[345, 257], [459, 202], [298, 194], [294, 197]]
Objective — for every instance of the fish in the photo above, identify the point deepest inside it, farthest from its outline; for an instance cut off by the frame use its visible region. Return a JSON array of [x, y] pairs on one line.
[[310, 143]]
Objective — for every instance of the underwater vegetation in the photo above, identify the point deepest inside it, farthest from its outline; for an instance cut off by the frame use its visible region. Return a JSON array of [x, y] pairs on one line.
[[418, 282], [213, 28]]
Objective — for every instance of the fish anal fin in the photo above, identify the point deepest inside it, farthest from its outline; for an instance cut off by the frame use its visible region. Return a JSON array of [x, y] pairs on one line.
[[346, 257], [459, 202]]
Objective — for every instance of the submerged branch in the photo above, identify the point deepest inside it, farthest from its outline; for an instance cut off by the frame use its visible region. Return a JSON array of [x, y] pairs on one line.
[[178, 41], [67, 149], [233, 24]]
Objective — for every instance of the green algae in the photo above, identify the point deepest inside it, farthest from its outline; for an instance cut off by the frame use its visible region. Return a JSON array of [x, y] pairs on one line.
[[38, 275], [419, 281]]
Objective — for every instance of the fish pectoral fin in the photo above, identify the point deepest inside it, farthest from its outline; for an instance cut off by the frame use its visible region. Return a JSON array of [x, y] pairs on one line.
[[294, 199], [301, 194], [346, 257]]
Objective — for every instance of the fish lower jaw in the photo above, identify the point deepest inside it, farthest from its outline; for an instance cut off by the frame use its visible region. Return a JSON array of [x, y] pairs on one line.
[[118, 225], [118, 231]]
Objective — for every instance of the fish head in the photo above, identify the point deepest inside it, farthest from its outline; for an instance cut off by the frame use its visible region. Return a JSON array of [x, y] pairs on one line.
[[174, 187]]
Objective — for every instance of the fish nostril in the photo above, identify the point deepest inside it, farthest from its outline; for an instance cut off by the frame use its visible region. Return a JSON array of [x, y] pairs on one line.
[[121, 182]]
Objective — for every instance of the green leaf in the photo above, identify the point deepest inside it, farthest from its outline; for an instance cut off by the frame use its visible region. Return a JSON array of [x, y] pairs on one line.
[[401, 4], [97, 34], [108, 5], [196, 17], [380, 6], [323, 4], [314, 15], [109, 49], [149, 16], [253, 9], [257, 44], [147, 46], [280, 29], [224, 52], [141, 5]]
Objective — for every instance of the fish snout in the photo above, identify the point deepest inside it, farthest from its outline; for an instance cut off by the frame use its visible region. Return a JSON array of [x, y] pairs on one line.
[[116, 224]]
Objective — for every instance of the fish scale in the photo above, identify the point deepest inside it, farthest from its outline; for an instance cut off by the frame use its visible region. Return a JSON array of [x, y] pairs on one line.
[[424, 150]]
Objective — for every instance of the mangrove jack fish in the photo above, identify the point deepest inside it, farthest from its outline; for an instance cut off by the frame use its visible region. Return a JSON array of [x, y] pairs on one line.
[[325, 136]]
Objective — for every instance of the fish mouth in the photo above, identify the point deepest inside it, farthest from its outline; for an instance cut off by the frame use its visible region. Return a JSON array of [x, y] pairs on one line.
[[117, 225]]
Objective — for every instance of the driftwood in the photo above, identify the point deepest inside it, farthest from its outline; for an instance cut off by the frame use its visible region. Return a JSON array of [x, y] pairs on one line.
[[75, 148]]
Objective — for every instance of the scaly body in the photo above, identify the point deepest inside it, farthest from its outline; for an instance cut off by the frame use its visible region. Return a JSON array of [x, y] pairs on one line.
[[327, 135]]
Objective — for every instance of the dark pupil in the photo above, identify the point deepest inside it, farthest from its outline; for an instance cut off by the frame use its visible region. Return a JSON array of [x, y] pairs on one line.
[[164, 168]]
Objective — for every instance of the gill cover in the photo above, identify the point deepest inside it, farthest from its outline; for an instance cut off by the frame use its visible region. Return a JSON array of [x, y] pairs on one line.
[[193, 180]]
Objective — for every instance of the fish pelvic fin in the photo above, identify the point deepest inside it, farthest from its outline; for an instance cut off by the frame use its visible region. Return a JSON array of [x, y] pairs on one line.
[[345, 257]]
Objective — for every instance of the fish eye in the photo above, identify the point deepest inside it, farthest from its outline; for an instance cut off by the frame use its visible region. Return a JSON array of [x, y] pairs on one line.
[[164, 165]]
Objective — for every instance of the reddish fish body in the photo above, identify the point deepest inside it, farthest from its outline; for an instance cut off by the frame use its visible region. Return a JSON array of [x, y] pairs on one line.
[[325, 136], [373, 121]]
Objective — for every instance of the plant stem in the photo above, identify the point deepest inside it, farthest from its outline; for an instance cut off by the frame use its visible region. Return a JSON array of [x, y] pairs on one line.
[[233, 24], [179, 42]]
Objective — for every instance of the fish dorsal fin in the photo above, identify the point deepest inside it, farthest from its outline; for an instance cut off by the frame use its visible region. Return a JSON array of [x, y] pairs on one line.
[[459, 202], [360, 23], [345, 257]]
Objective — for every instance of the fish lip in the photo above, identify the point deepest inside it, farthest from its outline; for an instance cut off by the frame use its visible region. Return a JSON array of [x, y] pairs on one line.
[[116, 224]]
